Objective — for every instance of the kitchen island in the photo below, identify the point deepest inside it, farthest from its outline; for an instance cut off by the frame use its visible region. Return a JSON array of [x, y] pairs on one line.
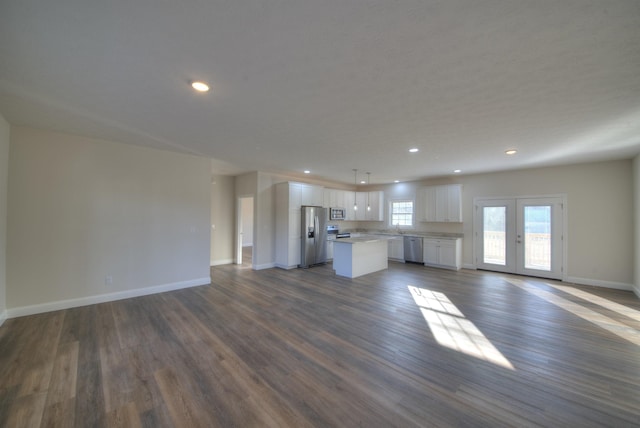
[[354, 257]]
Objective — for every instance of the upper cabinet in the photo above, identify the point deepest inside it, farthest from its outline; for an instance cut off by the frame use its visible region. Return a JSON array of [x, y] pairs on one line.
[[347, 198], [312, 195], [441, 203], [376, 204]]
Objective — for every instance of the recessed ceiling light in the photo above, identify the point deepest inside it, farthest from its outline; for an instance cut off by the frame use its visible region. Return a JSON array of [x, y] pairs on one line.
[[396, 181], [200, 86], [511, 152], [363, 182], [306, 171], [457, 171], [414, 150]]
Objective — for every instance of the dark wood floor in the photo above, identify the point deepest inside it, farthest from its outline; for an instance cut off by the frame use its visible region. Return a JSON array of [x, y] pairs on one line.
[[407, 347]]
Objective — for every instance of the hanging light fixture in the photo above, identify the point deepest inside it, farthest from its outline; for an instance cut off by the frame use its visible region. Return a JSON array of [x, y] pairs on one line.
[[368, 182], [355, 182]]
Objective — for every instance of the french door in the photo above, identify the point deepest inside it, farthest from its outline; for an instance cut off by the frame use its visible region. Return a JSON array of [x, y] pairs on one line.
[[520, 235]]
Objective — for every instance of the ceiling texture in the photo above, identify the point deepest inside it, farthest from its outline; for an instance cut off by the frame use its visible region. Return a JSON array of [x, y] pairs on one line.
[[330, 86]]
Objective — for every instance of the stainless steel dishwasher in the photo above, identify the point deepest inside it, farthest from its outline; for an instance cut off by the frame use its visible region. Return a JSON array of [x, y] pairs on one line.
[[413, 249]]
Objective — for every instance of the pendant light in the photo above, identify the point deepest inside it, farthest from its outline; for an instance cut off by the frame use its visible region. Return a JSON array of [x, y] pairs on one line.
[[355, 182], [368, 182]]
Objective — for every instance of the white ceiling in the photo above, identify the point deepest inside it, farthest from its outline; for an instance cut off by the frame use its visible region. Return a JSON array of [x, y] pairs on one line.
[[333, 85]]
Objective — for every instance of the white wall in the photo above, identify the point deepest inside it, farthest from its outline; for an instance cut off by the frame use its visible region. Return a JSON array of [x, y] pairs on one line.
[[4, 177], [222, 219], [636, 219], [82, 210]]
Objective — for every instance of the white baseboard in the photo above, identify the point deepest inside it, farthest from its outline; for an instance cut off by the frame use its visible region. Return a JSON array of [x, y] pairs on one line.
[[221, 262], [102, 298], [265, 266], [600, 283], [3, 317], [636, 290]]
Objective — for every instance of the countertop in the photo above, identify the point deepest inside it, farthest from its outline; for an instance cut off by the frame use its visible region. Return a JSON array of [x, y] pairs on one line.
[[364, 239], [442, 235]]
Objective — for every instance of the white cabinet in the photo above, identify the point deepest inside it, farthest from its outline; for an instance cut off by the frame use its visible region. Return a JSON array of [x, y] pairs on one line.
[[329, 250], [361, 200], [441, 203], [396, 249], [312, 195], [347, 198], [443, 252], [376, 203], [289, 198]]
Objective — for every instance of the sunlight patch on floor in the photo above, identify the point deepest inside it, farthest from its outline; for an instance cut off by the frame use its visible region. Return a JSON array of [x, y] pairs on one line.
[[452, 330], [600, 301], [602, 321]]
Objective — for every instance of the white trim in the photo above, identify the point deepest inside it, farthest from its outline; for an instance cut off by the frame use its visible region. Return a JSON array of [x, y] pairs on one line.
[[102, 298], [221, 262], [264, 266], [636, 290], [469, 266], [600, 283], [3, 317]]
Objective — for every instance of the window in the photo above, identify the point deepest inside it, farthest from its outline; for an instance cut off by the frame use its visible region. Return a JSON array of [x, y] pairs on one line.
[[401, 213]]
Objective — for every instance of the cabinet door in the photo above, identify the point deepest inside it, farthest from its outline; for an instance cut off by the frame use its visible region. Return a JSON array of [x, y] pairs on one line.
[[396, 249], [349, 199], [295, 223], [326, 198], [338, 200], [294, 251], [317, 195], [312, 195], [447, 254], [430, 203], [375, 202], [431, 251], [442, 203], [361, 200], [329, 250], [295, 195], [454, 203]]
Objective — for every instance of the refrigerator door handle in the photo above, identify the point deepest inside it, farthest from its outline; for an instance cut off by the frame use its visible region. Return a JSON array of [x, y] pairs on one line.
[[316, 224]]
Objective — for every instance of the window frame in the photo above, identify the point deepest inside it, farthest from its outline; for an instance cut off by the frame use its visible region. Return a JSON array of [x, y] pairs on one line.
[[413, 213]]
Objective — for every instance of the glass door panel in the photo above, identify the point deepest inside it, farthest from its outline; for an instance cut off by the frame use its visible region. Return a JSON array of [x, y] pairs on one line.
[[537, 237], [494, 235]]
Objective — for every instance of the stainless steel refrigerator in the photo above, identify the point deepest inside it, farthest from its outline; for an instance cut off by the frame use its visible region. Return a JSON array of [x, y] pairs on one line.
[[313, 248]]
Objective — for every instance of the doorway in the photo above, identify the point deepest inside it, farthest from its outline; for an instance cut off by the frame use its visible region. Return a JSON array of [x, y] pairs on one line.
[[520, 235], [244, 236]]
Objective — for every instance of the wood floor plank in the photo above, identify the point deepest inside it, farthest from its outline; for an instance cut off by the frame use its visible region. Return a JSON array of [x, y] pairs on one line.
[[306, 348]]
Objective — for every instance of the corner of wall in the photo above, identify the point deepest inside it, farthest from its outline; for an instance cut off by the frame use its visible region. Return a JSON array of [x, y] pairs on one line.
[[4, 181], [636, 224]]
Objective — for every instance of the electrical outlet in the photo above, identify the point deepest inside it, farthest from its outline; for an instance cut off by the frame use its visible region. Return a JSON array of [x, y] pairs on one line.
[[108, 280]]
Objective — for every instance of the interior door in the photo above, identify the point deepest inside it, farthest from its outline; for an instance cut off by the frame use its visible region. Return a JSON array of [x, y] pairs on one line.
[[520, 235]]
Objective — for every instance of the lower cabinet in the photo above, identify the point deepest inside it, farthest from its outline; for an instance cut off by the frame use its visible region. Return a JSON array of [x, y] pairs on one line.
[[443, 252], [396, 249], [329, 250]]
